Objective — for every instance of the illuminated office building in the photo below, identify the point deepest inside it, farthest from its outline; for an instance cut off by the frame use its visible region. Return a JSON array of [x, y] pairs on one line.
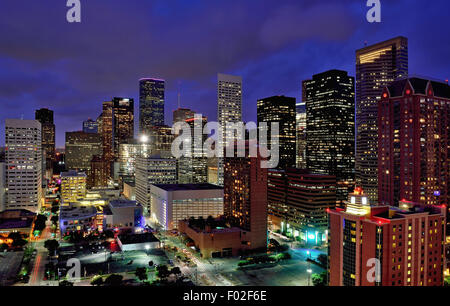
[[128, 153], [152, 170], [151, 104], [117, 126], [376, 66], [229, 110], [407, 242], [301, 135], [414, 142], [90, 126], [99, 174], [23, 160], [73, 186], [245, 199], [80, 148], [297, 203], [181, 114], [193, 170], [330, 128], [2, 186], [281, 110]]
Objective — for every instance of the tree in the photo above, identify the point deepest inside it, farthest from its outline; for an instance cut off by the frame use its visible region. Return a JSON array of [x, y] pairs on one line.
[[323, 259], [150, 263], [162, 271], [210, 221], [114, 280], [3, 247], [39, 223], [17, 239], [141, 273], [97, 280], [319, 280], [55, 219], [55, 209], [51, 246], [176, 271]]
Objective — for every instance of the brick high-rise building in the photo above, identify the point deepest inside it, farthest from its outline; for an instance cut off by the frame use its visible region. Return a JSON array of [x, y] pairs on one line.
[[414, 142], [403, 244], [297, 203], [245, 198], [376, 66]]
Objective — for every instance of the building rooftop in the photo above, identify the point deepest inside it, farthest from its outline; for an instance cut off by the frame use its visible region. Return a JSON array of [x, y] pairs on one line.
[[77, 212], [123, 203], [419, 86], [137, 238], [73, 173], [186, 187]]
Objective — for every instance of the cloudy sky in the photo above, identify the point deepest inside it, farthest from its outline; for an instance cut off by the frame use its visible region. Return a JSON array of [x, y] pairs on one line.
[[273, 45]]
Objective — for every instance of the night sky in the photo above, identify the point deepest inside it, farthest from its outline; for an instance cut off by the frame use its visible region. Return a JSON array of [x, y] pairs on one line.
[[274, 45]]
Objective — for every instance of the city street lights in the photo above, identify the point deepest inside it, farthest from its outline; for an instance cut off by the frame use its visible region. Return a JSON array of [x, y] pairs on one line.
[[309, 275]]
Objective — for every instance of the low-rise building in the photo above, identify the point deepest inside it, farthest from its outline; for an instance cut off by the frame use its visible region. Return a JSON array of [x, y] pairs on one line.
[[78, 218], [16, 220], [137, 242], [176, 202], [124, 214]]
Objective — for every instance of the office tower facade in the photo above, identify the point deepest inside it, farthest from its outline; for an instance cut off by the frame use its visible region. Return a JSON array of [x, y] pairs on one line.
[[229, 110], [90, 126], [160, 139], [281, 110], [414, 142], [152, 170], [406, 244], [151, 104], [301, 135], [45, 117], [23, 160], [2, 186], [117, 126], [73, 186], [330, 128], [376, 66], [298, 203], [245, 198], [181, 114], [80, 148], [128, 153], [99, 173], [194, 170]]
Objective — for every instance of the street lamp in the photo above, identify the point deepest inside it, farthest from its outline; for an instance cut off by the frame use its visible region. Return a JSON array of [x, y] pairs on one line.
[[309, 275]]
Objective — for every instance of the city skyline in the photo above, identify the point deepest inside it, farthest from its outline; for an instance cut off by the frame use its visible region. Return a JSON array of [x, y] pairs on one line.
[[287, 59]]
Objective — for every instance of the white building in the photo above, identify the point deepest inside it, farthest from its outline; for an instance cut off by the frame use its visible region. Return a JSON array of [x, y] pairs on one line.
[[23, 164], [2, 187], [229, 108], [123, 214], [153, 171], [176, 202]]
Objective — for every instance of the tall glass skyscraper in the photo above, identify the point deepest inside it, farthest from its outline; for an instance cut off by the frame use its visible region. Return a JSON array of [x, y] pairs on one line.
[[376, 66], [330, 128], [229, 108], [281, 110], [151, 104]]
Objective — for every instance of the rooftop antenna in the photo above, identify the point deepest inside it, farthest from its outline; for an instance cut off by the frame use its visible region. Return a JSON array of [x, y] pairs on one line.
[[365, 43]]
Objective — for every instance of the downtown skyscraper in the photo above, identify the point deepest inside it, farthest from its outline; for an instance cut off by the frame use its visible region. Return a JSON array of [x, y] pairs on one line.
[[151, 104], [414, 142], [330, 128], [376, 66], [281, 110], [229, 110], [23, 164]]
